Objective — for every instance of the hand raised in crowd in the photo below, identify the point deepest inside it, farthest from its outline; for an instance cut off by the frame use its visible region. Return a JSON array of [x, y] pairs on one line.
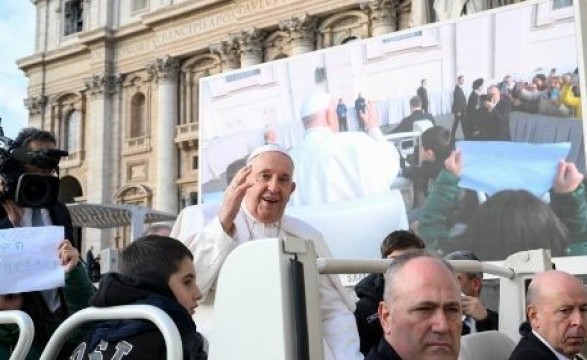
[[454, 163], [233, 197], [68, 255], [567, 178], [369, 117], [473, 307]]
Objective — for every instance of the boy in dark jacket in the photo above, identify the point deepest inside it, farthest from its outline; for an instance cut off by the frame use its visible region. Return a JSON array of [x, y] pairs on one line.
[[370, 289], [154, 270]]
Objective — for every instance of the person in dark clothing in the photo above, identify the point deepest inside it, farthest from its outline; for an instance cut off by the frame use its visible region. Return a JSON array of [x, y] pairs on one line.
[[473, 106], [370, 289], [556, 327], [459, 109], [416, 113], [478, 318], [341, 112], [360, 108], [423, 95], [154, 270], [494, 116], [421, 310]]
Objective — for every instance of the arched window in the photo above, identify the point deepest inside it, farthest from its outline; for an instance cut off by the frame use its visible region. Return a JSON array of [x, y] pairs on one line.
[[71, 130], [138, 116]]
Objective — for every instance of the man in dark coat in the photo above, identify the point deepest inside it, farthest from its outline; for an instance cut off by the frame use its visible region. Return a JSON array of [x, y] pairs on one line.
[[416, 114], [556, 306], [478, 318], [38, 142], [423, 95], [370, 289], [421, 311], [459, 108]]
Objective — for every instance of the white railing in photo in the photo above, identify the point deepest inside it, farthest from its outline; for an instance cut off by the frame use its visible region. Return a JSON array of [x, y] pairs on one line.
[[157, 316], [26, 331]]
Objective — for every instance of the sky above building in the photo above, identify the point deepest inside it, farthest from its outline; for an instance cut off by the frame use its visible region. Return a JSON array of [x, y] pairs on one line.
[[17, 40]]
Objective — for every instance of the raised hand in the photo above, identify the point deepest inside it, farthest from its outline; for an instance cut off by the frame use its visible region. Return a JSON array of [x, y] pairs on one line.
[[68, 255], [567, 179], [233, 197]]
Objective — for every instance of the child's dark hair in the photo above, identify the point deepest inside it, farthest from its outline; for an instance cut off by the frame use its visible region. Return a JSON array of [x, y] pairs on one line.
[[437, 139], [400, 240], [154, 258]]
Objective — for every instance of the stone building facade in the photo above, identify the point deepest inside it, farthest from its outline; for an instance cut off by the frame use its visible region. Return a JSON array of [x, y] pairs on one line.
[[117, 81]]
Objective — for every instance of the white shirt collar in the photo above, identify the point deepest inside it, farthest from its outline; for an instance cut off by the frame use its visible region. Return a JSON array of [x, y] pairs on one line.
[[558, 355], [27, 217]]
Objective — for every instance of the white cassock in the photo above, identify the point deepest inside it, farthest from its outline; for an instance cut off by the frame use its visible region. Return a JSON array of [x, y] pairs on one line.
[[330, 166], [212, 245]]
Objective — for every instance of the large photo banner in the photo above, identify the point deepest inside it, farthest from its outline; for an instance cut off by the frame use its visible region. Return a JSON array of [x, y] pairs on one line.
[[469, 133]]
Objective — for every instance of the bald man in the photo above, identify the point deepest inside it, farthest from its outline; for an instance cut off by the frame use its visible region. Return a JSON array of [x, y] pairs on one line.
[[421, 310], [557, 312], [333, 166]]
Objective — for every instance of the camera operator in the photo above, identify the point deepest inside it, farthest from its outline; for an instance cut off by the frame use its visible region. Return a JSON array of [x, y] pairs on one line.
[[35, 141]]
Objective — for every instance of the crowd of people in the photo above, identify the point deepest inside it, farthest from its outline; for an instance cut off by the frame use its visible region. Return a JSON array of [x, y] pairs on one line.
[[418, 309]]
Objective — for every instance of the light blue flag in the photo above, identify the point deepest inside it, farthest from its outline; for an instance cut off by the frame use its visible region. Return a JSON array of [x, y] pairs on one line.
[[492, 166]]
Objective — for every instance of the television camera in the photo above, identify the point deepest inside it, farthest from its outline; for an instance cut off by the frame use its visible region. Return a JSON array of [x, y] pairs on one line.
[[25, 188]]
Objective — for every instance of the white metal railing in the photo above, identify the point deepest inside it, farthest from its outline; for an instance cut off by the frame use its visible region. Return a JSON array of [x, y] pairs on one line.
[[26, 331], [352, 266], [167, 327]]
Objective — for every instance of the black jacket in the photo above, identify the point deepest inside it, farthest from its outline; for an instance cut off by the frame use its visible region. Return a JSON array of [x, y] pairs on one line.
[[490, 323], [407, 123], [139, 338], [530, 347], [370, 293], [383, 351], [59, 216]]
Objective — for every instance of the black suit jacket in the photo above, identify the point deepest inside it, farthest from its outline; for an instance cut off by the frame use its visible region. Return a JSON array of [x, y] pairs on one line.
[[459, 105], [423, 95], [530, 347], [59, 216], [383, 351], [407, 123], [490, 323]]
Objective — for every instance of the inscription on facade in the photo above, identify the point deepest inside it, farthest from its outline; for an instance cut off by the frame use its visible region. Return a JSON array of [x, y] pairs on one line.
[[211, 22]]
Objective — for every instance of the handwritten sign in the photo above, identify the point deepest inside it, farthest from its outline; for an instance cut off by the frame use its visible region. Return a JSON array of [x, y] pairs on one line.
[[29, 260]]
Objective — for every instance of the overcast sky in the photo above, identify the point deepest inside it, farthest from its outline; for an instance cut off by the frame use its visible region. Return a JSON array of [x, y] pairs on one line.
[[17, 39]]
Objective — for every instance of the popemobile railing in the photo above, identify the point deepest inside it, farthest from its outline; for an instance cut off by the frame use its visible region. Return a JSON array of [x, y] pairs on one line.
[[26, 331]]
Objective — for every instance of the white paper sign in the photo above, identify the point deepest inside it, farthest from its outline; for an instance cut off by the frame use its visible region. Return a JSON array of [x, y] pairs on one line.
[[29, 259]]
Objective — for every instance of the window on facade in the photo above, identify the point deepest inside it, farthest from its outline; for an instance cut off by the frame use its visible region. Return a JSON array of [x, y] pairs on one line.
[[138, 5], [559, 4], [71, 130], [73, 16], [138, 116], [195, 163]]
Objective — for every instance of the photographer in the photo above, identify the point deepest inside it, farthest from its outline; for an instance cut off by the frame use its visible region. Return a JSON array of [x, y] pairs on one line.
[[31, 200]]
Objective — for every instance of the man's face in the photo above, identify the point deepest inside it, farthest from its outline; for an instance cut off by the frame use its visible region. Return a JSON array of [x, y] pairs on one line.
[[461, 80], [395, 253], [422, 320], [559, 317], [272, 178], [470, 285], [35, 146], [183, 285]]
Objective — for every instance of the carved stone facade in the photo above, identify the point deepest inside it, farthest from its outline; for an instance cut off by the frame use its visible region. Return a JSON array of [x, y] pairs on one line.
[[121, 89]]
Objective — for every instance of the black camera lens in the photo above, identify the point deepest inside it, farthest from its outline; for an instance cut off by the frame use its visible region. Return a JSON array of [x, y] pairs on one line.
[[37, 191]]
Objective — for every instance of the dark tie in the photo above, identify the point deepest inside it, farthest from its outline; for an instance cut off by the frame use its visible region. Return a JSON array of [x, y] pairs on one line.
[[37, 219]]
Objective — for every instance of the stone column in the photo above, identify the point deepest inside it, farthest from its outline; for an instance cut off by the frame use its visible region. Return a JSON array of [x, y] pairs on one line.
[[302, 33], [37, 106], [227, 52], [381, 15], [165, 71], [249, 44], [100, 88]]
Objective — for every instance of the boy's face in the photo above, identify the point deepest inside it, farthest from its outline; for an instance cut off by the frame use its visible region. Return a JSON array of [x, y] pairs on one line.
[[183, 285]]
